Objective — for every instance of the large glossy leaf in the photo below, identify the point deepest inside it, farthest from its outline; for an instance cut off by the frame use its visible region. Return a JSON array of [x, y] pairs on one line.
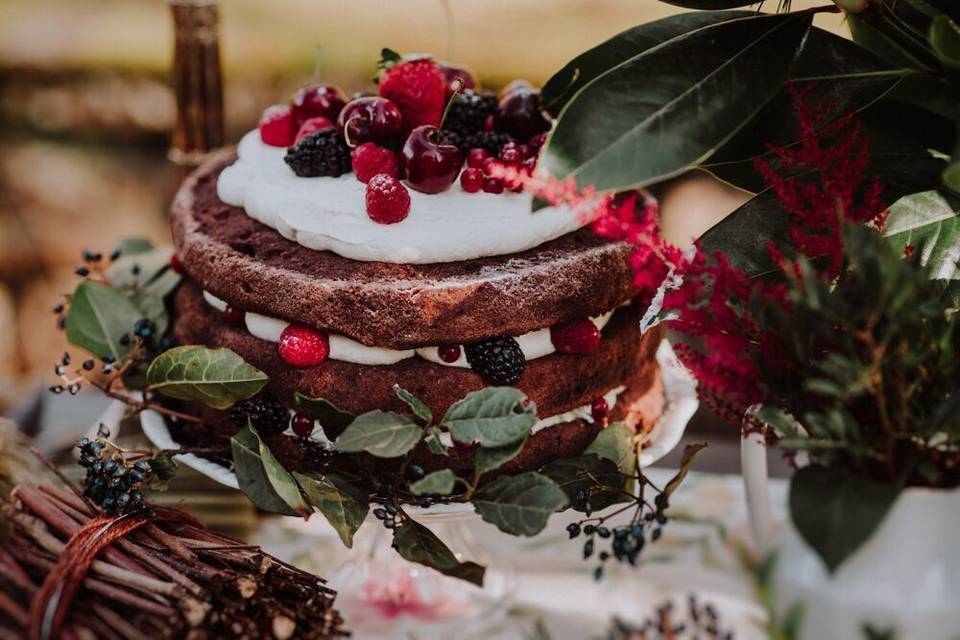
[[216, 377], [487, 459], [945, 40], [836, 512], [492, 416], [342, 503], [880, 33], [929, 223], [672, 106], [416, 543], [711, 5], [519, 505], [381, 433], [583, 69], [98, 318], [261, 476], [584, 476]]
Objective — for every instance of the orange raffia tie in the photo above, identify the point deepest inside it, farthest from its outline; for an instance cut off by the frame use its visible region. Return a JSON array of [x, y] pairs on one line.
[[56, 594]]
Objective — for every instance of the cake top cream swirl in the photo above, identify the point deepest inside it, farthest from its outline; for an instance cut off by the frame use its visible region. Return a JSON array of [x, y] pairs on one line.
[[329, 214]]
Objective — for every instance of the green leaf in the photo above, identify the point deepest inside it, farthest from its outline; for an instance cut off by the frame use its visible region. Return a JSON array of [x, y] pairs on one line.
[[262, 478], [487, 459], [617, 442], [492, 416], [98, 317], [521, 504], [951, 176], [589, 474], [436, 483], [884, 39], [131, 246], [416, 543], [333, 419], [836, 512], [218, 378], [381, 433], [583, 69], [416, 405], [432, 439], [931, 225], [342, 503], [669, 108], [945, 40]]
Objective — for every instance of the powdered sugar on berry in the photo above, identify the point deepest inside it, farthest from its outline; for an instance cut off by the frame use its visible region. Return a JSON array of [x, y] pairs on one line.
[[329, 214]]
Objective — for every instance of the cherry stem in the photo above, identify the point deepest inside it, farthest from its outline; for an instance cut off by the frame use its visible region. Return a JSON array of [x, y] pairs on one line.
[[457, 89], [346, 130]]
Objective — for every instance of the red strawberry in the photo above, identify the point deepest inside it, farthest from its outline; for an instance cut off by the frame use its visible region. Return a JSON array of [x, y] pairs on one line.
[[417, 88], [369, 159], [575, 336], [388, 201], [304, 347], [312, 125], [276, 126]]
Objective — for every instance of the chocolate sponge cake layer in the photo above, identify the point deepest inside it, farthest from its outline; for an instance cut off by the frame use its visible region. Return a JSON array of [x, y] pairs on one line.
[[399, 306], [557, 382]]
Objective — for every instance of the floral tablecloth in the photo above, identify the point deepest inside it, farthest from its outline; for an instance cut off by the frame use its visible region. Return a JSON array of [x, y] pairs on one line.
[[705, 552]]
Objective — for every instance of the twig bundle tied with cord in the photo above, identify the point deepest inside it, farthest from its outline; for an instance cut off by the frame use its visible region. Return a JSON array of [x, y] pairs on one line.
[[68, 570]]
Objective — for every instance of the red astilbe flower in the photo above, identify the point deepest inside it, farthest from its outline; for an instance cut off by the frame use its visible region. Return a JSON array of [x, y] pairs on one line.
[[822, 181]]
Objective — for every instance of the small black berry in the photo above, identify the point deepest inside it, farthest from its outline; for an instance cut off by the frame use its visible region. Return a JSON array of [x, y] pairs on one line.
[[82, 271], [497, 360], [323, 153]]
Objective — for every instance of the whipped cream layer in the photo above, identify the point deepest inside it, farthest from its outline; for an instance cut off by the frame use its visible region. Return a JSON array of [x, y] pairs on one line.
[[330, 214], [534, 344]]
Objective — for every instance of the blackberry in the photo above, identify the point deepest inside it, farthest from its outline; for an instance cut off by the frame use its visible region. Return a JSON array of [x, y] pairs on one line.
[[469, 111], [497, 360], [489, 141], [323, 153], [267, 416]]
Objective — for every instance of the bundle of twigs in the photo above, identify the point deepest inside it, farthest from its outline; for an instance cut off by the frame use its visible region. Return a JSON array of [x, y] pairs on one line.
[[69, 571]]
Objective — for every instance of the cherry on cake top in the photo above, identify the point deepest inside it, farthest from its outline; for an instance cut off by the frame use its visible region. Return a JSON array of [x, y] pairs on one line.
[[428, 120]]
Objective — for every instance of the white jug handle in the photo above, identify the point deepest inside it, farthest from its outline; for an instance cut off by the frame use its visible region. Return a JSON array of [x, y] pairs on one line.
[[753, 466]]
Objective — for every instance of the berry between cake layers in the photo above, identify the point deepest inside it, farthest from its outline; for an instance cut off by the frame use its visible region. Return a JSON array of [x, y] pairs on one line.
[[351, 246]]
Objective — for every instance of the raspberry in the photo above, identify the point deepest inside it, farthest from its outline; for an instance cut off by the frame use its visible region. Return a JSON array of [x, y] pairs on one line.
[[264, 413], [323, 153], [449, 352], [302, 425], [388, 201], [497, 360], [276, 126], [417, 87], [369, 159], [599, 409], [471, 180], [511, 154], [303, 347], [469, 111], [311, 126], [575, 336]]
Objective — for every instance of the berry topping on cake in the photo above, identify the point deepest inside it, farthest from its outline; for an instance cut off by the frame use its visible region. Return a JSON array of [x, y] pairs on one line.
[[233, 316], [311, 126], [468, 111], [388, 201], [489, 141], [599, 409], [518, 113], [476, 158], [369, 159], [176, 264], [449, 352], [492, 185], [431, 165], [512, 154], [316, 100], [302, 425], [575, 336], [499, 361], [471, 180], [457, 78], [416, 86], [265, 414], [303, 347], [276, 126], [371, 119], [320, 154]]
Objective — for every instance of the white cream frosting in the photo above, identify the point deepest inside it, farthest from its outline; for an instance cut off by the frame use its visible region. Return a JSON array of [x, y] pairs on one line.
[[330, 214], [534, 344]]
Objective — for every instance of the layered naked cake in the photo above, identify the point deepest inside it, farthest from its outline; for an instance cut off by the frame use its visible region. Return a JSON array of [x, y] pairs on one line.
[[314, 280]]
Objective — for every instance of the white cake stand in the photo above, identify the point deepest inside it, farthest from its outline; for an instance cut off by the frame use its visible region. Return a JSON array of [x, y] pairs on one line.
[[382, 595]]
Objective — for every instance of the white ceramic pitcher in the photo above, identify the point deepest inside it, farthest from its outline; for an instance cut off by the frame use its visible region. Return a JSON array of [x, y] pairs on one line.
[[905, 578]]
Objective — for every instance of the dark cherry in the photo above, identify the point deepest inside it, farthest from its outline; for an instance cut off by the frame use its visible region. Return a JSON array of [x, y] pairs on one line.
[[234, 316], [371, 119], [431, 164], [518, 114], [316, 100], [302, 425], [453, 73]]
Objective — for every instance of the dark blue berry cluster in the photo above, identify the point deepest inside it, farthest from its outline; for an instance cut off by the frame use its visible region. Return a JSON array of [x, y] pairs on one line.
[[387, 514], [111, 482]]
